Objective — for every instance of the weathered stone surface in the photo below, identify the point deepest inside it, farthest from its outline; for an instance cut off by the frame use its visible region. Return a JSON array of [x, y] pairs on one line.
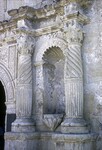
[[50, 67]]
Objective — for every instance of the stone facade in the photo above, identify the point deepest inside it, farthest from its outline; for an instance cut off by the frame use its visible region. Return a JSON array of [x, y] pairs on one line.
[[50, 70]]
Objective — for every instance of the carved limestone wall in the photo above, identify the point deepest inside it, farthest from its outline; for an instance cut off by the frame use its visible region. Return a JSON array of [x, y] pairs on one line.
[[45, 78], [92, 56], [8, 83]]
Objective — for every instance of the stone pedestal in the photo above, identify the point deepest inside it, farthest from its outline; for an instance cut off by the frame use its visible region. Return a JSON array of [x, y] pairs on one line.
[[74, 141], [49, 141], [21, 141]]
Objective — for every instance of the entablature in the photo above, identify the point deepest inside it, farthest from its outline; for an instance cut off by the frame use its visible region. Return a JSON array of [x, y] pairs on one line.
[[42, 21]]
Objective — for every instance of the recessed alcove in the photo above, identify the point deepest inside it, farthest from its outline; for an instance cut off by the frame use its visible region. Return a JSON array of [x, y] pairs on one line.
[[53, 80], [2, 115]]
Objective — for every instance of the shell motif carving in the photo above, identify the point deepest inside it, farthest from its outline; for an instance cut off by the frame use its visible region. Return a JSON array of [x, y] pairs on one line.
[[52, 121]]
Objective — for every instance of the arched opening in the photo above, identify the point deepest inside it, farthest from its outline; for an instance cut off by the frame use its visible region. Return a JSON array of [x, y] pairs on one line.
[[53, 73], [2, 116]]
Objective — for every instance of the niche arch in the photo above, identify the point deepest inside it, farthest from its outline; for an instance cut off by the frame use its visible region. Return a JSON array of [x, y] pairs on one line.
[[2, 115], [53, 79], [8, 85], [42, 46], [7, 82]]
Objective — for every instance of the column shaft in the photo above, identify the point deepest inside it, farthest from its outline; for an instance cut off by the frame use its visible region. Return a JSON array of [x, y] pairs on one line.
[[74, 122], [74, 98], [24, 122], [24, 88], [39, 94]]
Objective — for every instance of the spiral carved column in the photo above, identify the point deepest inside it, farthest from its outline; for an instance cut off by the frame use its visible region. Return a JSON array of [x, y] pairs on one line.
[[23, 122], [74, 122], [74, 84]]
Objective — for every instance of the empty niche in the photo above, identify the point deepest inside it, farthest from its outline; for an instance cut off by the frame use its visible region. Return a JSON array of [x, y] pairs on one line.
[[53, 74]]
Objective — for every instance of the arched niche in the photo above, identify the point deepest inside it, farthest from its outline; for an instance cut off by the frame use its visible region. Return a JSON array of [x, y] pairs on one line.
[[2, 115], [8, 86], [53, 79], [6, 79], [49, 52], [45, 43]]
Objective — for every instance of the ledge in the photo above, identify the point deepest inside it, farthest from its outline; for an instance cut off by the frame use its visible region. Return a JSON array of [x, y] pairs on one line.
[[74, 137]]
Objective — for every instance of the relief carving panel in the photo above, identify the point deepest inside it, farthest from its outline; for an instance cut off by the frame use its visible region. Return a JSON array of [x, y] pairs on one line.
[[12, 60], [4, 55]]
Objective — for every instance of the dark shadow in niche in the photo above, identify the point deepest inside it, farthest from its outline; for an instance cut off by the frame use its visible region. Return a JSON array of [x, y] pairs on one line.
[[10, 119], [2, 116], [53, 73]]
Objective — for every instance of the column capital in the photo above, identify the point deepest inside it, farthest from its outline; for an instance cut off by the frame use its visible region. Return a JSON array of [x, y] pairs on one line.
[[26, 44], [75, 36]]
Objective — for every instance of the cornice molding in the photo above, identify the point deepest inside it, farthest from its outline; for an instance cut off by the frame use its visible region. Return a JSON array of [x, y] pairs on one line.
[[20, 17]]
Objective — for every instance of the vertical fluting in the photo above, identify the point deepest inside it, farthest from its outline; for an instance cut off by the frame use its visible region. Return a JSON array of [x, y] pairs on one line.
[[74, 96], [24, 101]]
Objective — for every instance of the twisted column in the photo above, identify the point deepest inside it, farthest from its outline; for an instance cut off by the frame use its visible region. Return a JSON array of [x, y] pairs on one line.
[[74, 82], [74, 122], [24, 86]]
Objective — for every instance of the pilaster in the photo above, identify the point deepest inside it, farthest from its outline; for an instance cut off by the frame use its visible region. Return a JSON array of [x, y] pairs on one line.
[[39, 94]]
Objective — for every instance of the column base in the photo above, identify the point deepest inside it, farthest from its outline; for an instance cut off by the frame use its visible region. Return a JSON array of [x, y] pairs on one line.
[[23, 125], [74, 125]]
